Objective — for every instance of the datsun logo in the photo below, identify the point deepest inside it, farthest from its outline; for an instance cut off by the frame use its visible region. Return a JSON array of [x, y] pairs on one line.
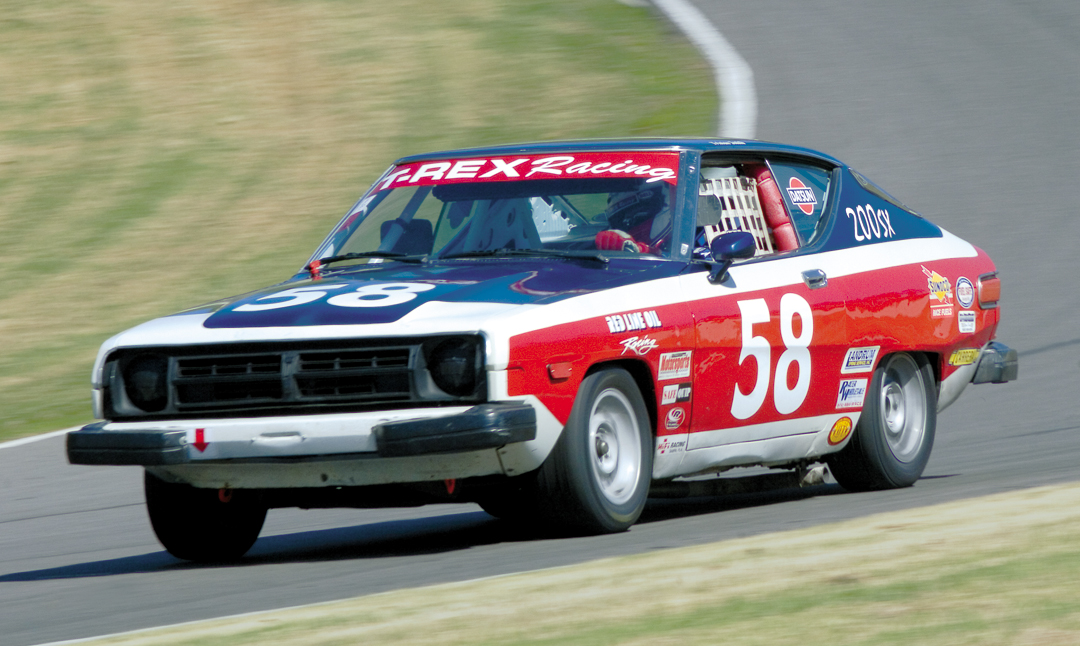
[[801, 195]]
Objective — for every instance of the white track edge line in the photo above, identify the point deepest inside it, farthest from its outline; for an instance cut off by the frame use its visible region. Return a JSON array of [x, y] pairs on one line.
[[734, 78], [34, 438]]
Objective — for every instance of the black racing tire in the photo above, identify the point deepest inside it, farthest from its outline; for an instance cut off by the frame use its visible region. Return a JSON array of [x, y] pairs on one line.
[[895, 434], [514, 501], [596, 480], [203, 525]]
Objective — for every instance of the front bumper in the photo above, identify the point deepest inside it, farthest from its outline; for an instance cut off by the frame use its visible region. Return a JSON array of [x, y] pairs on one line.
[[486, 426]]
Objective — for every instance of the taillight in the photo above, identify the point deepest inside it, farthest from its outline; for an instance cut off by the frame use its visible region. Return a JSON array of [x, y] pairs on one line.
[[989, 291]]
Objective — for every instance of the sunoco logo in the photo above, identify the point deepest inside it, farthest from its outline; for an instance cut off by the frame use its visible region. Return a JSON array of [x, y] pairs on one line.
[[801, 195]]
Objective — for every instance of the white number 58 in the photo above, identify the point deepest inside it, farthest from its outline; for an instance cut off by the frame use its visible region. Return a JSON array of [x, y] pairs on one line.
[[755, 312]]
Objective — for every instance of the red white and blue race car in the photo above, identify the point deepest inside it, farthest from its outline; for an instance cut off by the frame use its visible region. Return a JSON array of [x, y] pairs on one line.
[[551, 329]]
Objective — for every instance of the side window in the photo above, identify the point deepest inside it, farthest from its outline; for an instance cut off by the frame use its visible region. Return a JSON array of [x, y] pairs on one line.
[[744, 196], [803, 188], [728, 201]]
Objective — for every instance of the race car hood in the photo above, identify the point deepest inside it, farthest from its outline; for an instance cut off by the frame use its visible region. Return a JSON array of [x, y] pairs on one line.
[[385, 293], [495, 296]]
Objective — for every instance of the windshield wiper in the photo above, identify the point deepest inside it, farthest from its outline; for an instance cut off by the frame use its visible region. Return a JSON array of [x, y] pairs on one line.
[[530, 253], [391, 255], [316, 265]]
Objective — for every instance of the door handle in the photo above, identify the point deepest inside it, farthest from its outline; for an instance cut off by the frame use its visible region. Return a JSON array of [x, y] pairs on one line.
[[815, 278]]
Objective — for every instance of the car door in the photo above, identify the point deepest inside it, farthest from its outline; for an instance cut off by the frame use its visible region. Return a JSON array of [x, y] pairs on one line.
[[770, 340]]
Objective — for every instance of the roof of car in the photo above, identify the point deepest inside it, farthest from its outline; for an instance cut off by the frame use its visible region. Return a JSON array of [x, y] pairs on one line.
[[585, 145]]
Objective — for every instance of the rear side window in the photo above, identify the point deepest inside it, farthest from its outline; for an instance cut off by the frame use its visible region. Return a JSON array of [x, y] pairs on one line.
[[803, 188]]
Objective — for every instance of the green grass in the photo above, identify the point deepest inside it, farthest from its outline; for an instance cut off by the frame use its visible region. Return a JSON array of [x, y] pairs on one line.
[[156, 155], [1000, 570]]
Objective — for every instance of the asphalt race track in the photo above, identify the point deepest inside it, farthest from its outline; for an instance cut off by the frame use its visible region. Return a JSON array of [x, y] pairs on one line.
[[968, 113]]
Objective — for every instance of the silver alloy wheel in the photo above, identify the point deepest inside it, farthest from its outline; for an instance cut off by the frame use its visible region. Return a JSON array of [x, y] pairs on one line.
[[903, 407], [614, 438]]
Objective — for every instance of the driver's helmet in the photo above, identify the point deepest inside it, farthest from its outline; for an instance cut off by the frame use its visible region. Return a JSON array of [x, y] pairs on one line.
[[635, 212]]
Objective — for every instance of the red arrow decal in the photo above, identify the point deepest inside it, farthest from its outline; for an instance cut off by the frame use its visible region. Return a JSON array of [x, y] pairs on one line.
[[200, 440]]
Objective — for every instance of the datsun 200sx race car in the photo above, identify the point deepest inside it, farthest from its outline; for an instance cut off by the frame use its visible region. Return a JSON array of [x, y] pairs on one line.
[[549, 330]]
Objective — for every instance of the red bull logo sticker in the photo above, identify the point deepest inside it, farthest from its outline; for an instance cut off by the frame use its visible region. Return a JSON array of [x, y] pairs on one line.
[[801, 195]]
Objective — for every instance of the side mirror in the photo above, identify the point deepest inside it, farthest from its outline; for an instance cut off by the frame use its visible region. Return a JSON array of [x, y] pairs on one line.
[[726, 249]]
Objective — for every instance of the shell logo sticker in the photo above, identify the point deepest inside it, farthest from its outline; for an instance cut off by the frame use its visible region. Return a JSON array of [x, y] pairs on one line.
[[840, 431], [801, 195]]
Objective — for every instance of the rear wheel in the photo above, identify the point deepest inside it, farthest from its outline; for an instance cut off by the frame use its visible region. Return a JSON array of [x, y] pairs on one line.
[[203, 525], [895, 434], [596, 479]]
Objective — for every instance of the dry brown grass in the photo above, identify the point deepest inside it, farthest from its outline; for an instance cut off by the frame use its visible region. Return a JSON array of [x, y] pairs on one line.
[[155, 155], [996, 570]]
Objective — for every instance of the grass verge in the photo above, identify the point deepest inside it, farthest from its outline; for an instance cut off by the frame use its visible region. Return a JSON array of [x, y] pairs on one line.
[[156, 155], [1003, 569]]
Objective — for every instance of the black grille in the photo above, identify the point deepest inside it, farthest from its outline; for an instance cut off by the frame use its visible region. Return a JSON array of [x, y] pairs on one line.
[[282, 379], [355, 374], [242, 380]]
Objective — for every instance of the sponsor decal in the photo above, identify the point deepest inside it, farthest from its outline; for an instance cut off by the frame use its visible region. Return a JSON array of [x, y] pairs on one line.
[[632, 322], [966, 321], [965, 292], [370, 295], [674, 419], [840, 431], [675, 394], [668, 445], [801, 195], [641, 346], [859, 360], [870, 224], [964, 357], [851, 394], [674, 365], [652, 167], [941, 294]]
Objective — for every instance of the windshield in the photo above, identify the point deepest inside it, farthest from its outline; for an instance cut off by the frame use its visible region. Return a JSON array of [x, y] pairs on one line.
[[613, 203]]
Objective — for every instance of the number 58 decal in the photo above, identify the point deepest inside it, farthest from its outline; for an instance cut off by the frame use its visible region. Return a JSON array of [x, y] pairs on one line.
[[372, 295], [797, 351]]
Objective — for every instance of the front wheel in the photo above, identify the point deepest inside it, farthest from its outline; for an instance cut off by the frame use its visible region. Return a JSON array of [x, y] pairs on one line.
[[596, 479], [204, 525], [892, 442]]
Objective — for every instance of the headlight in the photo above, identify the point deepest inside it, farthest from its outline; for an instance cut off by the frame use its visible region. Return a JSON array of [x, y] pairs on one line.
[[454, 365], [146, 382]]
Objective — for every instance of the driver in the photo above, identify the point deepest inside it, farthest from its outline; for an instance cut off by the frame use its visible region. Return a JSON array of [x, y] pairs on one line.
[[640, 220]]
